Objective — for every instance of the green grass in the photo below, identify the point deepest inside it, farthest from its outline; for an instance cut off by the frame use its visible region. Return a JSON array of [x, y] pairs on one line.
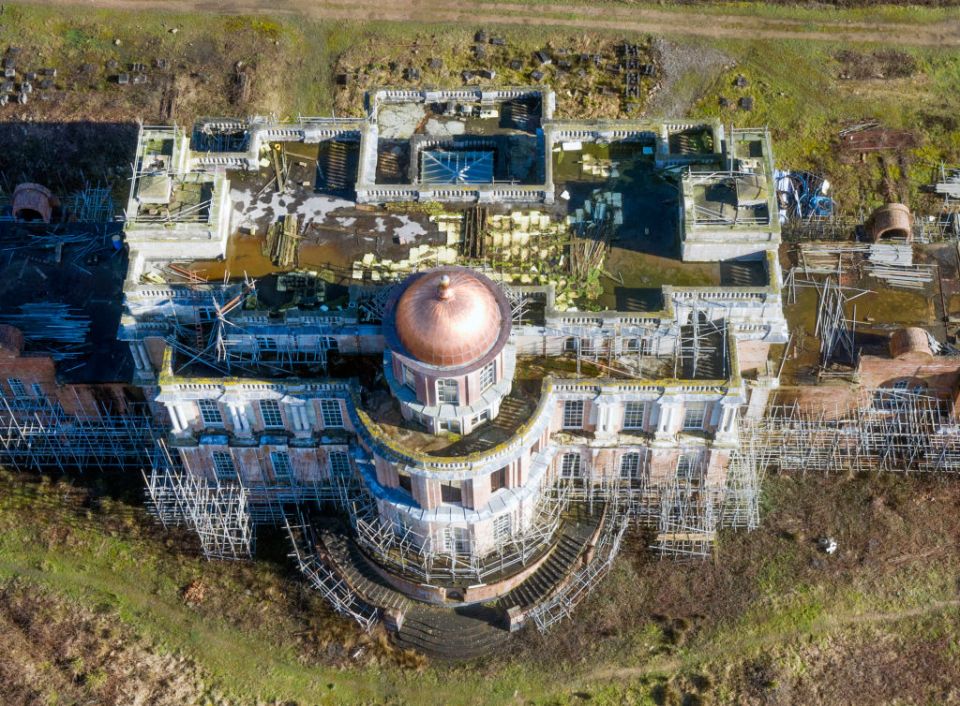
[[113, 560], [905, 13], [794, 82], [798, 95]]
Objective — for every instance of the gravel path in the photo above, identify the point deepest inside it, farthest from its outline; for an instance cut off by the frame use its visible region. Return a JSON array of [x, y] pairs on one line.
[[577, 16]]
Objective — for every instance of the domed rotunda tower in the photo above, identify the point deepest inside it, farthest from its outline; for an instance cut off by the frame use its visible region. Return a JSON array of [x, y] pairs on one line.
[[448, 356]]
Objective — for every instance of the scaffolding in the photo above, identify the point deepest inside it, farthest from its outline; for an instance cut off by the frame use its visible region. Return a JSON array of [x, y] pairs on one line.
[[890, 430], [688, 510], [563, 602], [92, 205], [430, 559], [372, 303], [57, 329], [740, 504], [833, 328], [37, 434], [216, 512], [323, 577], [701, 350]]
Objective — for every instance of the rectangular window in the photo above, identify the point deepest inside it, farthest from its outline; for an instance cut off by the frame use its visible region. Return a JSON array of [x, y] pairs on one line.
[[270, 411], [693, 416], [498, 479], [450, 491], [406, 482], [573, 414], [633, 415], [448, 392], [223, 467], [282, 468], [688, 467], [266, 343], [16, 387], [462, 535], [630, 466], [37, 390], [502, 527], [400, 526], [488, 375], [455, 540], [409, 379], [339, 462], [570, 465], [484, 416], [210, 413], [331, 413], [446, 540]]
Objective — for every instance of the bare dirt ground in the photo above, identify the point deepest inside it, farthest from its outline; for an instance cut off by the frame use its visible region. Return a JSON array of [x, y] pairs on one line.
[[599, 17]]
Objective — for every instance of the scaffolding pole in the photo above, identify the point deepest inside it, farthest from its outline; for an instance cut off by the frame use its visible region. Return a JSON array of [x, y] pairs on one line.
[[216, 512]]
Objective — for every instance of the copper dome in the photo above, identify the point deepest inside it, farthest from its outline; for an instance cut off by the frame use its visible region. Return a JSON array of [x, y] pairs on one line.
[[448, 317]]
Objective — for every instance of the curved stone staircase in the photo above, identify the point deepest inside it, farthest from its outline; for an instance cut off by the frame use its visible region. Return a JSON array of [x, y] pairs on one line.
[[469, 632], [574, 534], [463, 632], [453, 634], [362, 577]]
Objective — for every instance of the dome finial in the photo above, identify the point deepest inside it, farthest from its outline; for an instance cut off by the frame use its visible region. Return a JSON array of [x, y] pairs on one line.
[[443, 289]]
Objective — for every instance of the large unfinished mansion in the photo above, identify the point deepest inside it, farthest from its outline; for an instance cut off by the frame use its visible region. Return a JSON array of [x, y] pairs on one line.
[[375, 334]]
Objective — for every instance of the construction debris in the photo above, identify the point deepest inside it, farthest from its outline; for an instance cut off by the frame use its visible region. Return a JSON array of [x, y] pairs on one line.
[[283, 242]]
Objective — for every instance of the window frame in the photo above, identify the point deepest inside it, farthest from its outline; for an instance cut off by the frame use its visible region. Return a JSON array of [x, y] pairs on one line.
[[409, 378], [266, 343], [272, 406], [488, 376], [342, 457], [456, 540], [17, 388], [631, 465], [329, 343], [220, 472], [204, 412], [502, 533], [283, 471], [451, 491], [331, 406], [630, 409], [695, 408], [444, 386], [573, 469], [567, 422], [688, 468]]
